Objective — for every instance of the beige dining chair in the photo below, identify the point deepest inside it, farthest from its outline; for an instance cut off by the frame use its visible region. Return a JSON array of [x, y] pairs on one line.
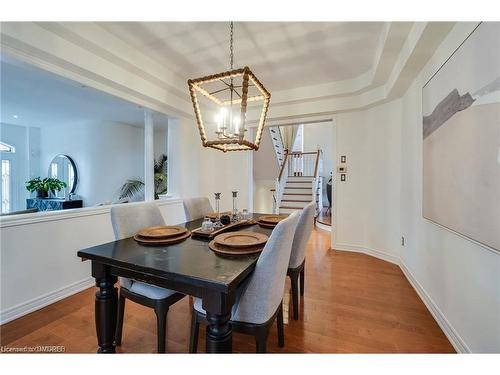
[[127, 219], [197, 208], [259, 299], [296, 267]]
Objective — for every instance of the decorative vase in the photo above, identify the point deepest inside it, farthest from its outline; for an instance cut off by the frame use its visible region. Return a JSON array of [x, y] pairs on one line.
[[42, 194]]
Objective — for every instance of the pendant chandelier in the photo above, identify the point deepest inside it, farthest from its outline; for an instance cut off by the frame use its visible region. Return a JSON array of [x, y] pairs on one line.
[[225, 98]]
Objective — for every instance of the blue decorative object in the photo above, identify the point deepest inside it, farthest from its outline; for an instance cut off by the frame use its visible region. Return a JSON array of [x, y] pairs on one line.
[[51, 204]]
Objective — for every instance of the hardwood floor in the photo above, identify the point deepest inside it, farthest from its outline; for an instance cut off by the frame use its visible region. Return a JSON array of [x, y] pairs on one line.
[[353, 303]]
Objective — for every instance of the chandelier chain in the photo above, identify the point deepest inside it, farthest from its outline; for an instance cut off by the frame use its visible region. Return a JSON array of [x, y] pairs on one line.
[[231, 54]]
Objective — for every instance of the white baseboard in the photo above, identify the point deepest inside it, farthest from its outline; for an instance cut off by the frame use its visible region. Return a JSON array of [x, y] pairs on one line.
[[450, 332], [37, 303], [366, 250], [324, 227]]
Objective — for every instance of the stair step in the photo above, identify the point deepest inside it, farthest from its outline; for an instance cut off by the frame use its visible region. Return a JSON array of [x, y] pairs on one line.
[[299, 179], [292, 207], [292, 188], [299, 194], [296, 200]]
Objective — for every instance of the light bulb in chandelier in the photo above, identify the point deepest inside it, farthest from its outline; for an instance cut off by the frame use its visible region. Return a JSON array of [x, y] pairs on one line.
[[228, 124]]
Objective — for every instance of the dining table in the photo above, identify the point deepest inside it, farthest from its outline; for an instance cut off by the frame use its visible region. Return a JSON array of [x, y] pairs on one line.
[[189, 267]]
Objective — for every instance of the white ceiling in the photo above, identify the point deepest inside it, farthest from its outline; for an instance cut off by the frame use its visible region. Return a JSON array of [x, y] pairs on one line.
[[39, 98], [283, 55]]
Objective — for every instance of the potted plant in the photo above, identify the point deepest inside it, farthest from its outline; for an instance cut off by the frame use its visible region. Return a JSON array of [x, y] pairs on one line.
[[135, 187], [42, 187]]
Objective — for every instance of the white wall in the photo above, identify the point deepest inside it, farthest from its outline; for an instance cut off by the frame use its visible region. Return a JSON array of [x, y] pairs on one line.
[[105, 154], [160, 141], [458, 279], [366, 213], [224, 173], [198, 171], [265, 172]]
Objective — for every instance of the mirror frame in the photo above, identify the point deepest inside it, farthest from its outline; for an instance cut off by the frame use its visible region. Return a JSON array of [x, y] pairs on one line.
[[75, 175]]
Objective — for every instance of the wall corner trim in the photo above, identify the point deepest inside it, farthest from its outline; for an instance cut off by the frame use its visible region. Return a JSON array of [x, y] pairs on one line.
[[44, 300], [368, 251]]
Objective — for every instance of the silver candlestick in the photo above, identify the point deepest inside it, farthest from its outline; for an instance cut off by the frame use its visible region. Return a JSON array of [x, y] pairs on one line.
[[217, 223], [234, 217]]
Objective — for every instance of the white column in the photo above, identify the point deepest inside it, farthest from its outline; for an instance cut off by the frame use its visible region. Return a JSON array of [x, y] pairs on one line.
[[149, 194]]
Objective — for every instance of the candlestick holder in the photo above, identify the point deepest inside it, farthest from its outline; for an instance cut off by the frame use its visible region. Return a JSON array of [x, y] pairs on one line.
[[234, 217], [217, 223]]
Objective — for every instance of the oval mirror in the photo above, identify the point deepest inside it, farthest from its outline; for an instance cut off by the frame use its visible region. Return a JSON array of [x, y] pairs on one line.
[[63, 168]]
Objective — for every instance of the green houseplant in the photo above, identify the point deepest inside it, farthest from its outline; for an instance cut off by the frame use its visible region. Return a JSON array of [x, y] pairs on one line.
[[42, 187], [133, 187]]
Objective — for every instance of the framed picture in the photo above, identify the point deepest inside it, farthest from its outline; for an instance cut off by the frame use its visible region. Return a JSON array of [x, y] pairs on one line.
[[461, 139]]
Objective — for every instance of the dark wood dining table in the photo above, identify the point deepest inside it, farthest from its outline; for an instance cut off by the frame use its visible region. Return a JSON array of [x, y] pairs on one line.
[[188, 267]]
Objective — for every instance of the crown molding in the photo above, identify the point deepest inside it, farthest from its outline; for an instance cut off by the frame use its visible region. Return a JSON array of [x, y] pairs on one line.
[[51, 47], [384, 60], [88, 53], [420, 45]]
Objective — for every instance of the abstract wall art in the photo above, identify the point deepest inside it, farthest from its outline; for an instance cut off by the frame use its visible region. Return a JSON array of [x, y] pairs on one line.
[[461, 139]]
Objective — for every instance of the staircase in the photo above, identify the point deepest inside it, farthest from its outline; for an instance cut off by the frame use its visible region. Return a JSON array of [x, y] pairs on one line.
[[299, 182], [296, 194]]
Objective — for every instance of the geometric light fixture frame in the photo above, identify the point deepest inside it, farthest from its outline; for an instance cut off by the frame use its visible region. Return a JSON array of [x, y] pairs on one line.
[[233, 143]]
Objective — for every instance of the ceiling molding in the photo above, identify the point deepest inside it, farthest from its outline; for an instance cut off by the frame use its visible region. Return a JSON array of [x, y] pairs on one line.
[[89, 54], [45, 49], [376, 76], [100, 42], [420, 45]]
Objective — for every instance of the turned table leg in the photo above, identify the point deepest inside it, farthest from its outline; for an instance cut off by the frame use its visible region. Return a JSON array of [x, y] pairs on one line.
[[105, 308], [219, 335], [219, 338]]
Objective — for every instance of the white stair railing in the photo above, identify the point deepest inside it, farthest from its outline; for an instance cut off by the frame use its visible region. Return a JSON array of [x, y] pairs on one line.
[[280, 183], [302, 164], [317, 185], [278, 146]]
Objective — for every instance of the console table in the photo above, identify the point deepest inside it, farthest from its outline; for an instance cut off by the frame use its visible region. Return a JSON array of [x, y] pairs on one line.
[[49, 204]]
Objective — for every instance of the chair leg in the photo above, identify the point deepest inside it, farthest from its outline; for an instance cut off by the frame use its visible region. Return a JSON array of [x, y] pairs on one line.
[[119, 320], [279, 322], [302, 280], [195, 328], [295, 295], [161, 324]]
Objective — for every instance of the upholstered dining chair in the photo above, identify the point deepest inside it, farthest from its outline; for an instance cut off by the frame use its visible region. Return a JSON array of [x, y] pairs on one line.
[[259, 299], [128, 219], [197, 208], [296, 267]]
